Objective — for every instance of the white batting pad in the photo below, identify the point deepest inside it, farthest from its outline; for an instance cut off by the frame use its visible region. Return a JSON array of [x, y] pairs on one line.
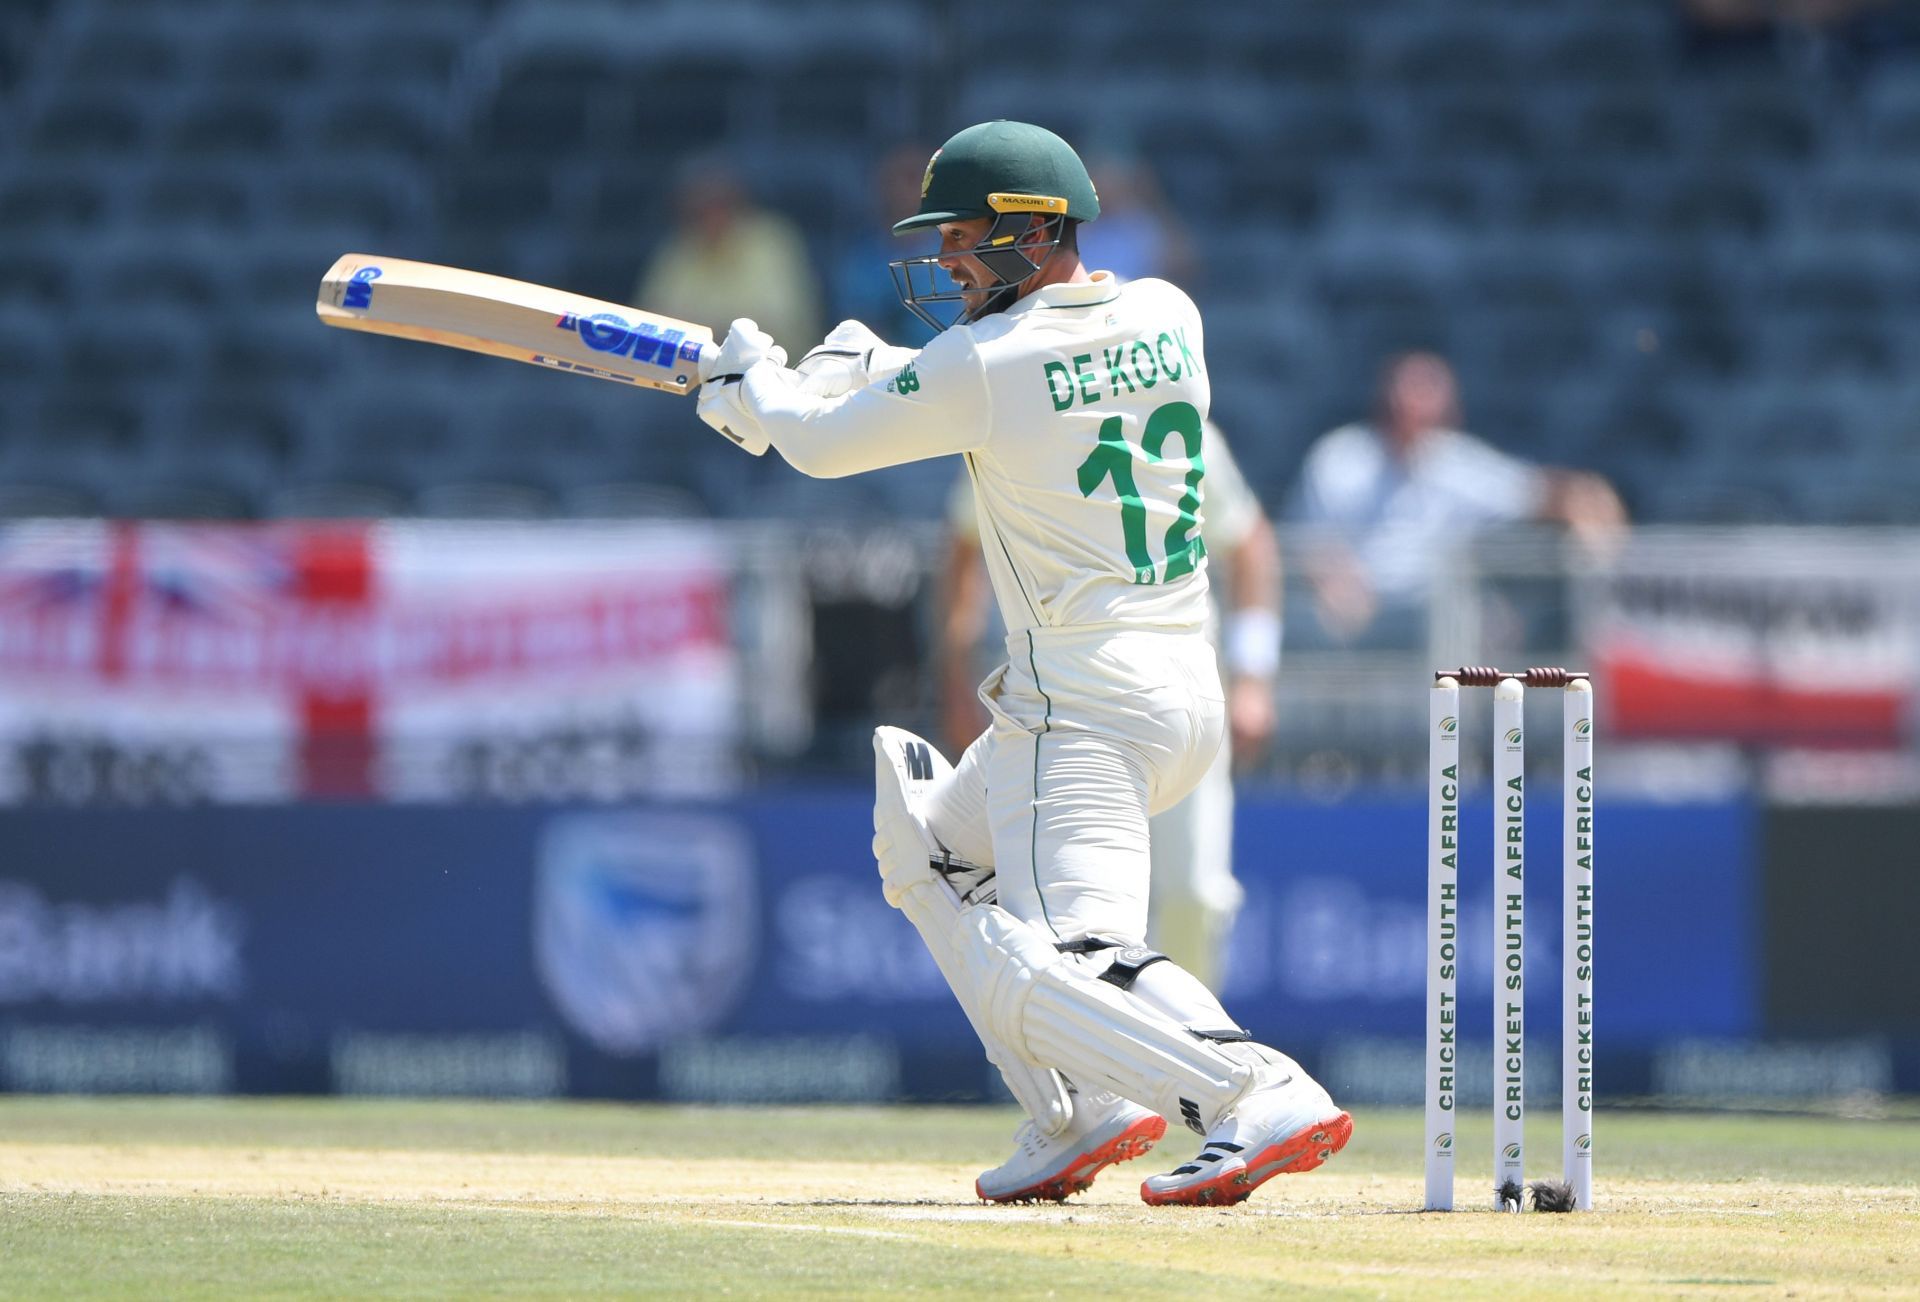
[[904, 768], [1048, 1008], [1171, 989]]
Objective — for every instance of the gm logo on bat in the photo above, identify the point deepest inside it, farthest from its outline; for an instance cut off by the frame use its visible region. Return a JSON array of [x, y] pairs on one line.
[[606, 333], [360, 289]]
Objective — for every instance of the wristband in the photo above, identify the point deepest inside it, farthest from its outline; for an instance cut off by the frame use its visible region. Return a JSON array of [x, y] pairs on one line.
[[1253, 641]]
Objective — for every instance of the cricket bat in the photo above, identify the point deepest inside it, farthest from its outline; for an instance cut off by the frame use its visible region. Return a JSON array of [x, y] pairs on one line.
[[511, 318]]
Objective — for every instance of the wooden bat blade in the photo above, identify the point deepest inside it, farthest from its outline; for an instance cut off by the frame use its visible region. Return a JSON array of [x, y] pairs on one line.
[[512, 318]]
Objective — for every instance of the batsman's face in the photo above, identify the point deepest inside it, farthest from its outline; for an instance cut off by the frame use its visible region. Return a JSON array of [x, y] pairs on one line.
[[956, 241]]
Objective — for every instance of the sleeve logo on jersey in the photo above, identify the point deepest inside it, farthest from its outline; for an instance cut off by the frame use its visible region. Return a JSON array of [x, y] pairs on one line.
[[1125, 369], [908, 381], [605, 332]]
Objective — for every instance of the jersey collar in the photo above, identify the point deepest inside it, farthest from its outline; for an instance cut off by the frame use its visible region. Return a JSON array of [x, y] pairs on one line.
[[1102, 287]]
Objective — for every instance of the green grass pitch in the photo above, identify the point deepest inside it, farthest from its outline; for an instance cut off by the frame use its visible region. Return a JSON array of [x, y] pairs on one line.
[[185, 1198]]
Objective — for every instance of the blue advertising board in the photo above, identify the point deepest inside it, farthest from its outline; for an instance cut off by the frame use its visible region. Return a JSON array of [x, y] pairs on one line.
[[692, 950]]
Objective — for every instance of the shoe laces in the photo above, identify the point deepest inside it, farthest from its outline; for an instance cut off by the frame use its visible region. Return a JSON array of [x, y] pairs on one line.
[[1028, 1138]]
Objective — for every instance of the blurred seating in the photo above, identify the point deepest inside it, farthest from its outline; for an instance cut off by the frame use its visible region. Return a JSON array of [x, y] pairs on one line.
[[55, 199], [1623, 127], [1290, 45], [632, 500], [405, 123], [264, 50], [1634, 255], [231, 124], [334, 499], [1758, 121], [84, 416], [379, 199], [1715, 204], [28, 350], [1449, 50], [30, 501], [130, 52], [216, 198], [484, 500], [180, 499], [102, 123], [1612, 46]]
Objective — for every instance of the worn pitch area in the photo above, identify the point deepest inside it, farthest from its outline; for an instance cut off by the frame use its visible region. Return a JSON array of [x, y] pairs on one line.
[[283, 1198]]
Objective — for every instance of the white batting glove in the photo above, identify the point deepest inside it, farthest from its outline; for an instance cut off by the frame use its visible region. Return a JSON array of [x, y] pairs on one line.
[[724, 406], [745, 344], [850, 357], [722, 402]]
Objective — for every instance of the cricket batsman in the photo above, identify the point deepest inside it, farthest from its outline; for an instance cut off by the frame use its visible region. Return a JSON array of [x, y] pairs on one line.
[[1078, 405], [1193, 897]]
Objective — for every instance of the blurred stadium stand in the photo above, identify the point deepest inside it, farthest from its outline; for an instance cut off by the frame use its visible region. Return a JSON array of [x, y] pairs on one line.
[[1685, 264]]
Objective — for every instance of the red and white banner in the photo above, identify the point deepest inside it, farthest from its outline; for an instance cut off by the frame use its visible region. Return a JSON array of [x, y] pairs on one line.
[[1771, 638], [393, 660]]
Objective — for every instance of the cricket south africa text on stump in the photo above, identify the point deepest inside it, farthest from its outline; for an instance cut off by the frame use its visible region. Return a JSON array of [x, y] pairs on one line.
[[1508, 897]]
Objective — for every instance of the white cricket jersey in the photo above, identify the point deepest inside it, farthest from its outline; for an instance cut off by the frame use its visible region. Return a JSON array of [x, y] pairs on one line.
[[1080, 412], [1230, 510]]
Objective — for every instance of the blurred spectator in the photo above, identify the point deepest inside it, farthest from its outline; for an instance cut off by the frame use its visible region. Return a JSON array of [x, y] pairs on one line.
[[862, 288], [1194, 897], [1388, 499], [1139, 233], [1829, 36], [727, 258]]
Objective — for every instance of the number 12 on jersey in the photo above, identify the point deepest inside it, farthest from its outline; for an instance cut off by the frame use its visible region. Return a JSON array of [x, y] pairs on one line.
[[1113, 459]]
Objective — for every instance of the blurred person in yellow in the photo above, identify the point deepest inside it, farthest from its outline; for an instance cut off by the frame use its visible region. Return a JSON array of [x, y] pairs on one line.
[[728, 258], [1193, 896]]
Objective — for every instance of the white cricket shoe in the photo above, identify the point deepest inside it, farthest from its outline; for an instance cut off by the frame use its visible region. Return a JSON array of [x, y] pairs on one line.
[[1105, 1129], [1283, 1125]]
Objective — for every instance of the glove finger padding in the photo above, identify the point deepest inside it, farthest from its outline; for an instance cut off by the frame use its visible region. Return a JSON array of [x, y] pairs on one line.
[[850, 357], [838, 364], [849, 337], [745, 344]]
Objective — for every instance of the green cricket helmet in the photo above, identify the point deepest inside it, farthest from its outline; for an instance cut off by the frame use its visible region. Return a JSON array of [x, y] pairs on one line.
[[1011, 172]]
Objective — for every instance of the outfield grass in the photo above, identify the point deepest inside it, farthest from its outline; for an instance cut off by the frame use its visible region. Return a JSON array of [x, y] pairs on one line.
[[300, 1198]]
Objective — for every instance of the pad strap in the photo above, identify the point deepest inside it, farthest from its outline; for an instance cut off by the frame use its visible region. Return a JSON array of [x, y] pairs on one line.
[[1049, 1009], [1172, 989], [1124, 968]]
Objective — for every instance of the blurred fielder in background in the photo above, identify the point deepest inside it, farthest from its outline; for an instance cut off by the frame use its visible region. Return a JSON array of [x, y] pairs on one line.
[[1078, 403], [1194, 897], [1388, 499]]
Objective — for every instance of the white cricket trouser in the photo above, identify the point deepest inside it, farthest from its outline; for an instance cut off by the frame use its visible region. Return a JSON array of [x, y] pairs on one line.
[[1094, 729], [1195, 897]]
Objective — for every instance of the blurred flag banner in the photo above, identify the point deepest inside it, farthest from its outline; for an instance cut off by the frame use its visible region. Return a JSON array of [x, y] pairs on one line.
[[406, 661], [1779, 638]]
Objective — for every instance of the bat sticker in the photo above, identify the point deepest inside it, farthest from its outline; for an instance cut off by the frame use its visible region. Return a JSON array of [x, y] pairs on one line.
[[360, 289]]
